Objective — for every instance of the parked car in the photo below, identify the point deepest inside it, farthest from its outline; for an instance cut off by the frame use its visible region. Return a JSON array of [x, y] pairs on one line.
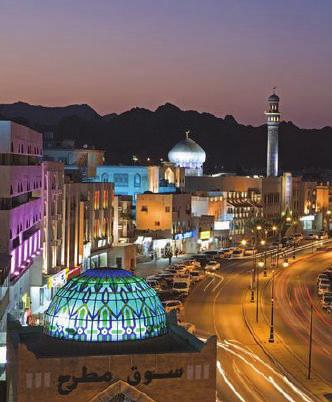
[[250, 251], [324, 288], [322, 276], [326, 301], [322, 235], [324, 281], [227, 252], [298, 237], [188, 326], [311, 236], [212, 266], [276, 244], [197, 276], [239, 252], [211, 253], [191, 263], [153, 283], [170, 305], [181, 286]]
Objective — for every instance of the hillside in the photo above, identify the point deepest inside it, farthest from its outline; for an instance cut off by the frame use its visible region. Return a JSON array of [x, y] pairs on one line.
[[228, 144]]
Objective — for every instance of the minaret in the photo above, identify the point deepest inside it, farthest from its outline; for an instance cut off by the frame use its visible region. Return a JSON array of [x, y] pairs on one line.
[[273, 120]]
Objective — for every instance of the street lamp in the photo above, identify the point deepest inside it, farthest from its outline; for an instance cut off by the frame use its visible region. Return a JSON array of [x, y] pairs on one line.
[[263, 243], [252, 293], [244, 242], [271, 338]]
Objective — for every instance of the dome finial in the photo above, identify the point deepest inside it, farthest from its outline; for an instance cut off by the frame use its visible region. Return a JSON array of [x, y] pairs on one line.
[[187, 133], [274, 90]]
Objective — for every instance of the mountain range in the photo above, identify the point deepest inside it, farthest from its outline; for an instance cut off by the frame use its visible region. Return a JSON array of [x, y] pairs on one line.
[[229, 145]]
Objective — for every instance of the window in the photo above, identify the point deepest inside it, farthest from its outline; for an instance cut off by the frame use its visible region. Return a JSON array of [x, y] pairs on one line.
[[121, 179], [144, 208], [104, 177], [157, 223], [137, 180], [167, 209]]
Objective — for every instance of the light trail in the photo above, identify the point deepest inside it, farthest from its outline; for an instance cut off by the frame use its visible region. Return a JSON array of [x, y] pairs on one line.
[[231, 386], [283, 377]]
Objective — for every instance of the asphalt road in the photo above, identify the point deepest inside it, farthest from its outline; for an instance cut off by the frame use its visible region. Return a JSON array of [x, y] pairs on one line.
[[295, 291], [245, 372]]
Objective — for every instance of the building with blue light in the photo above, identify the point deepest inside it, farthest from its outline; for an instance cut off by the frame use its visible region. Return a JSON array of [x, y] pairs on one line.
[[107, 337], [133, 180]]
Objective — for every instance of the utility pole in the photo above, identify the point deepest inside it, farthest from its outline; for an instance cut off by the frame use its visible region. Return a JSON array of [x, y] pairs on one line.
[[257, 290], [252, 297], [310, 344], [271, 338]]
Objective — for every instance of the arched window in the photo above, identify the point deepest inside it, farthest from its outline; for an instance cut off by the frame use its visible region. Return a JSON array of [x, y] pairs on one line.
[[137, 180], [104, 177]]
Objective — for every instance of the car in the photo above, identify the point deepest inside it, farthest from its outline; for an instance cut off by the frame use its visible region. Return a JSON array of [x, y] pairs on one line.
[[311, 236], [322, 276], [322, 235], [211, 253], [250, 251], [153, 283], [192, 263], [298, 237], [326, 301], [170, 305], [324, 281], [197, 276], [239, 252], [227, 252], [212, 266], [276, 244], [287, 241], [188, 326], [181, 286], [324, 288]]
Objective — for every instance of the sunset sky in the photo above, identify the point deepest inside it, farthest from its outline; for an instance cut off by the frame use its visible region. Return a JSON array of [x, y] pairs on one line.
[[218, 56]]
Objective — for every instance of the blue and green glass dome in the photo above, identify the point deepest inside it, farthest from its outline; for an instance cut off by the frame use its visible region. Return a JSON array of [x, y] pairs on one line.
[[103, 305]]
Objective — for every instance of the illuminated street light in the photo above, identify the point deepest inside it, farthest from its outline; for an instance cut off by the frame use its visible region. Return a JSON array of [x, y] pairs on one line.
[[259, 227], [285, 264], [261, 264], [263, 242], [274, 228], [288, 219], [271, 338], [244, 242]]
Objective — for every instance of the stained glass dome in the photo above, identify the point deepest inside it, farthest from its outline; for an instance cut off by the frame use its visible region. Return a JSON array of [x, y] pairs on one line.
[[103, 305]]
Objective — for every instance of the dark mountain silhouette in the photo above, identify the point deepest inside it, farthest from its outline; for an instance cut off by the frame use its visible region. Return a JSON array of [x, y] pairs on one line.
[[145, 133]]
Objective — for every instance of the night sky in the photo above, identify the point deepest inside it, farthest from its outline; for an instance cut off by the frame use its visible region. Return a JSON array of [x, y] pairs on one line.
[[221, 56]]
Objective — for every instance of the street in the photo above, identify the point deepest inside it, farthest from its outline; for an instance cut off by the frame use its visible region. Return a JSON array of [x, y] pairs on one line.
[[248, 365]]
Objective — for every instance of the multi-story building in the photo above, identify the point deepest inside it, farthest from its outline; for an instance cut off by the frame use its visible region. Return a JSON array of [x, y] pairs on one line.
[[20, 208], [133, 180], [53, 216], [88, 221], [164, 220], [79, 163]]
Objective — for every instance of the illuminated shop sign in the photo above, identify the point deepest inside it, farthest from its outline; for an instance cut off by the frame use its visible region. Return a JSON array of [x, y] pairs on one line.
[[205, 235], [58, 280], [307, 218], [185, 235], [221, 225]]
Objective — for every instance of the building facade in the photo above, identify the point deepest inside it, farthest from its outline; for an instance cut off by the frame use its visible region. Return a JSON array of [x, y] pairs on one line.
[[164, 220], [133, 180], [20, 210]]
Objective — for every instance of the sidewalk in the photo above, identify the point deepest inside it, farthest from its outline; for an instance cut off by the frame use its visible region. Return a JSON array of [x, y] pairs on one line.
[[279, 352]]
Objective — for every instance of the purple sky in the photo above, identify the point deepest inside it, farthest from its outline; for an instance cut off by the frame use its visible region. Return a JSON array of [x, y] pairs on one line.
[[219, 56]]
